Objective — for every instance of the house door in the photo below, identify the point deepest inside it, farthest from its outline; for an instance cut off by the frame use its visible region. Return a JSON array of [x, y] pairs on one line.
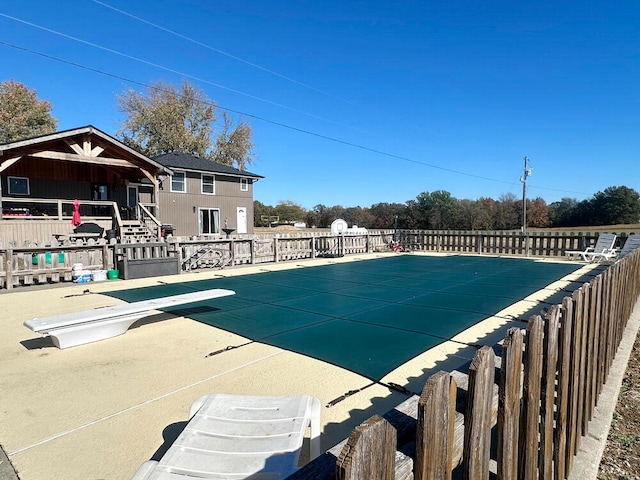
[[132, 201], [241, 220], [132, 196]]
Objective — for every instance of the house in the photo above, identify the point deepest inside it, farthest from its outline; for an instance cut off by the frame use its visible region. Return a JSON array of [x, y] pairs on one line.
[[125, 192], [202, 197]]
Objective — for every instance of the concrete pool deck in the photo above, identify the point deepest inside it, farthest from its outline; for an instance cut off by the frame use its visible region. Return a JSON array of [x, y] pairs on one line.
[[97, 411]]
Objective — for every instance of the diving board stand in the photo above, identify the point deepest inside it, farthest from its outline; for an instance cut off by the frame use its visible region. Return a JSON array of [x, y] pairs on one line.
[[77, 328]]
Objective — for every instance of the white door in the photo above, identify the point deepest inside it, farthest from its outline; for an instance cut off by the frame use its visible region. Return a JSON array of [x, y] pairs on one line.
[[242, 220]]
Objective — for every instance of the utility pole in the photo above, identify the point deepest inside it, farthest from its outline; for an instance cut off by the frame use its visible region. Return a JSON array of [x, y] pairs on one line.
[[523, 179]]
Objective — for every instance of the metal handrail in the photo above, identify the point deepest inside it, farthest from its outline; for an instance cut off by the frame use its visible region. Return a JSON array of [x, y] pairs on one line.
[[143, 214]]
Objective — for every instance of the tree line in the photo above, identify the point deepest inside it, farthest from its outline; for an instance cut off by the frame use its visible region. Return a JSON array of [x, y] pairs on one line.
[[166, 118], [439, 210]]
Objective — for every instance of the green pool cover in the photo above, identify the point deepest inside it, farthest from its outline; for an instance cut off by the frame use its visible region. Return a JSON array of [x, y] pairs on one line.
[[368, 316]]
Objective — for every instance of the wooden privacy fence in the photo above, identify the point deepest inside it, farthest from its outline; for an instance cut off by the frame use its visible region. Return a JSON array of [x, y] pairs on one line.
[[537, 244], [51, 264], [536, 397], [203, 252]]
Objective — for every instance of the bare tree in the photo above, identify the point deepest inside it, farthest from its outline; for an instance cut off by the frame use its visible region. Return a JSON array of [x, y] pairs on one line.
[[234, 145]]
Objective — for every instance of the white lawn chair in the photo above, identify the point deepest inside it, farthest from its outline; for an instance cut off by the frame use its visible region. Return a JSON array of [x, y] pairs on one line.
[[604, 246], [238, 437], [631, 244]]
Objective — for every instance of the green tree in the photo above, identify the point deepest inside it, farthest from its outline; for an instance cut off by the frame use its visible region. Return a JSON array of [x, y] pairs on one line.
[[289, 211], [166, 119], [560, 213], [261, 214], [508, 212], [437, 209], [22, 115], [472, 215], [359, 216], [616, 205], [384, 214]]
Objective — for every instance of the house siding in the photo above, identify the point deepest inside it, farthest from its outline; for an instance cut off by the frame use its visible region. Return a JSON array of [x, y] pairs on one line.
[[177, 208]]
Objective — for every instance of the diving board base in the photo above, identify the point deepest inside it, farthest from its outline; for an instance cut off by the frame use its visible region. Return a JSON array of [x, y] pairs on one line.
[[94, 331], [77, 328]]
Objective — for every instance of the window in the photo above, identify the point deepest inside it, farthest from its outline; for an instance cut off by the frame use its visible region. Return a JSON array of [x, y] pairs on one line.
[[99, 191], [208, 184], [178, 182], [244, 184], [209, 221], [18, 185]]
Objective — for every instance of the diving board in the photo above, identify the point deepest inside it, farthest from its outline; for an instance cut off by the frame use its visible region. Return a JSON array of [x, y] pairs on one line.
[[77, 328]]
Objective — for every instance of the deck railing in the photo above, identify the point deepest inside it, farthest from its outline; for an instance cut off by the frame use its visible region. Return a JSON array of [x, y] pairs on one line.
[[539, 402]]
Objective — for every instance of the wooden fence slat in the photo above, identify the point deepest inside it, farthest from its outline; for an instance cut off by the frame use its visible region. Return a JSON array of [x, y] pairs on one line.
[[595, 360], [582, 408], [509, 396], [549, 368], [528, 451], [435, 429], [574, 377], [478, 418], [564, 372], [369, 453]]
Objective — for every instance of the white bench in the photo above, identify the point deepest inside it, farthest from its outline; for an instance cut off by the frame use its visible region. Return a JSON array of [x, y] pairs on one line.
[[77, 328], [240, 437]]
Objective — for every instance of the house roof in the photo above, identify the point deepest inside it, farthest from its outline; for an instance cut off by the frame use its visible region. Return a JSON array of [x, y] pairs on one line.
[[110, 147], [186, 161]]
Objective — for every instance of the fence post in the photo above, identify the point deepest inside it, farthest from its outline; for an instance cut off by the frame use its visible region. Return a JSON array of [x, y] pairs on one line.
[[275, 250], [435, 429], [9, 268], [531, 400], [510, 392], [369, 453], [477, 418]]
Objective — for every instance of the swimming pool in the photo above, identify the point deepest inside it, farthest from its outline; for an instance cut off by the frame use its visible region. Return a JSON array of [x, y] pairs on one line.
[[367, 316]]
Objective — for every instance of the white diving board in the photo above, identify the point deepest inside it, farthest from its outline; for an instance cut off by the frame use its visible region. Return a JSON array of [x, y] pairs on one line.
[[77, 328]]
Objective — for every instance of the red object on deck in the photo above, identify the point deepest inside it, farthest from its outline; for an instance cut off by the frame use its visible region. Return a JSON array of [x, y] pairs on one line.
[[76, 220]]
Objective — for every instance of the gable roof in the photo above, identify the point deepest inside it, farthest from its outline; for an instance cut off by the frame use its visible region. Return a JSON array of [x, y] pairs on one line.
[[186, 161], [110, 147]]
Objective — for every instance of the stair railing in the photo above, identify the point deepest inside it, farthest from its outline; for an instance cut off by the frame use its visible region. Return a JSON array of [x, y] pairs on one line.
[[151, 224]]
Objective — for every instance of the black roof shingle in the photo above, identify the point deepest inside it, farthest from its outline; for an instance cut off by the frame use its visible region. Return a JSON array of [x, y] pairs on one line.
[[186, 161]]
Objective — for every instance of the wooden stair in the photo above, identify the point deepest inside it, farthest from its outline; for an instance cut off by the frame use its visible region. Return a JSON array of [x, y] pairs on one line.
[[133, 230]]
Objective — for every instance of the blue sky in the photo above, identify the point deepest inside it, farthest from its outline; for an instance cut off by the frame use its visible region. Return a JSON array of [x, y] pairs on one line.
[[354, 102]]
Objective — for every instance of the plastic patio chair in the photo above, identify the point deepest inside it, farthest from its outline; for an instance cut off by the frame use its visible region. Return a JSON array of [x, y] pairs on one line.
[[603, 247], [630, 245], [237, 437]]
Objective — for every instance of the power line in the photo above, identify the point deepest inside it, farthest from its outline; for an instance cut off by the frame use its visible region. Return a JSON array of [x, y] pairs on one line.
[[279, 124], [171, 70], [221, 52]]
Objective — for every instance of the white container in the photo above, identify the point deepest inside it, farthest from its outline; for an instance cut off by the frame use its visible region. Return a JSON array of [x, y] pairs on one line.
[[98, 275], [77, 267], [81, 276]]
